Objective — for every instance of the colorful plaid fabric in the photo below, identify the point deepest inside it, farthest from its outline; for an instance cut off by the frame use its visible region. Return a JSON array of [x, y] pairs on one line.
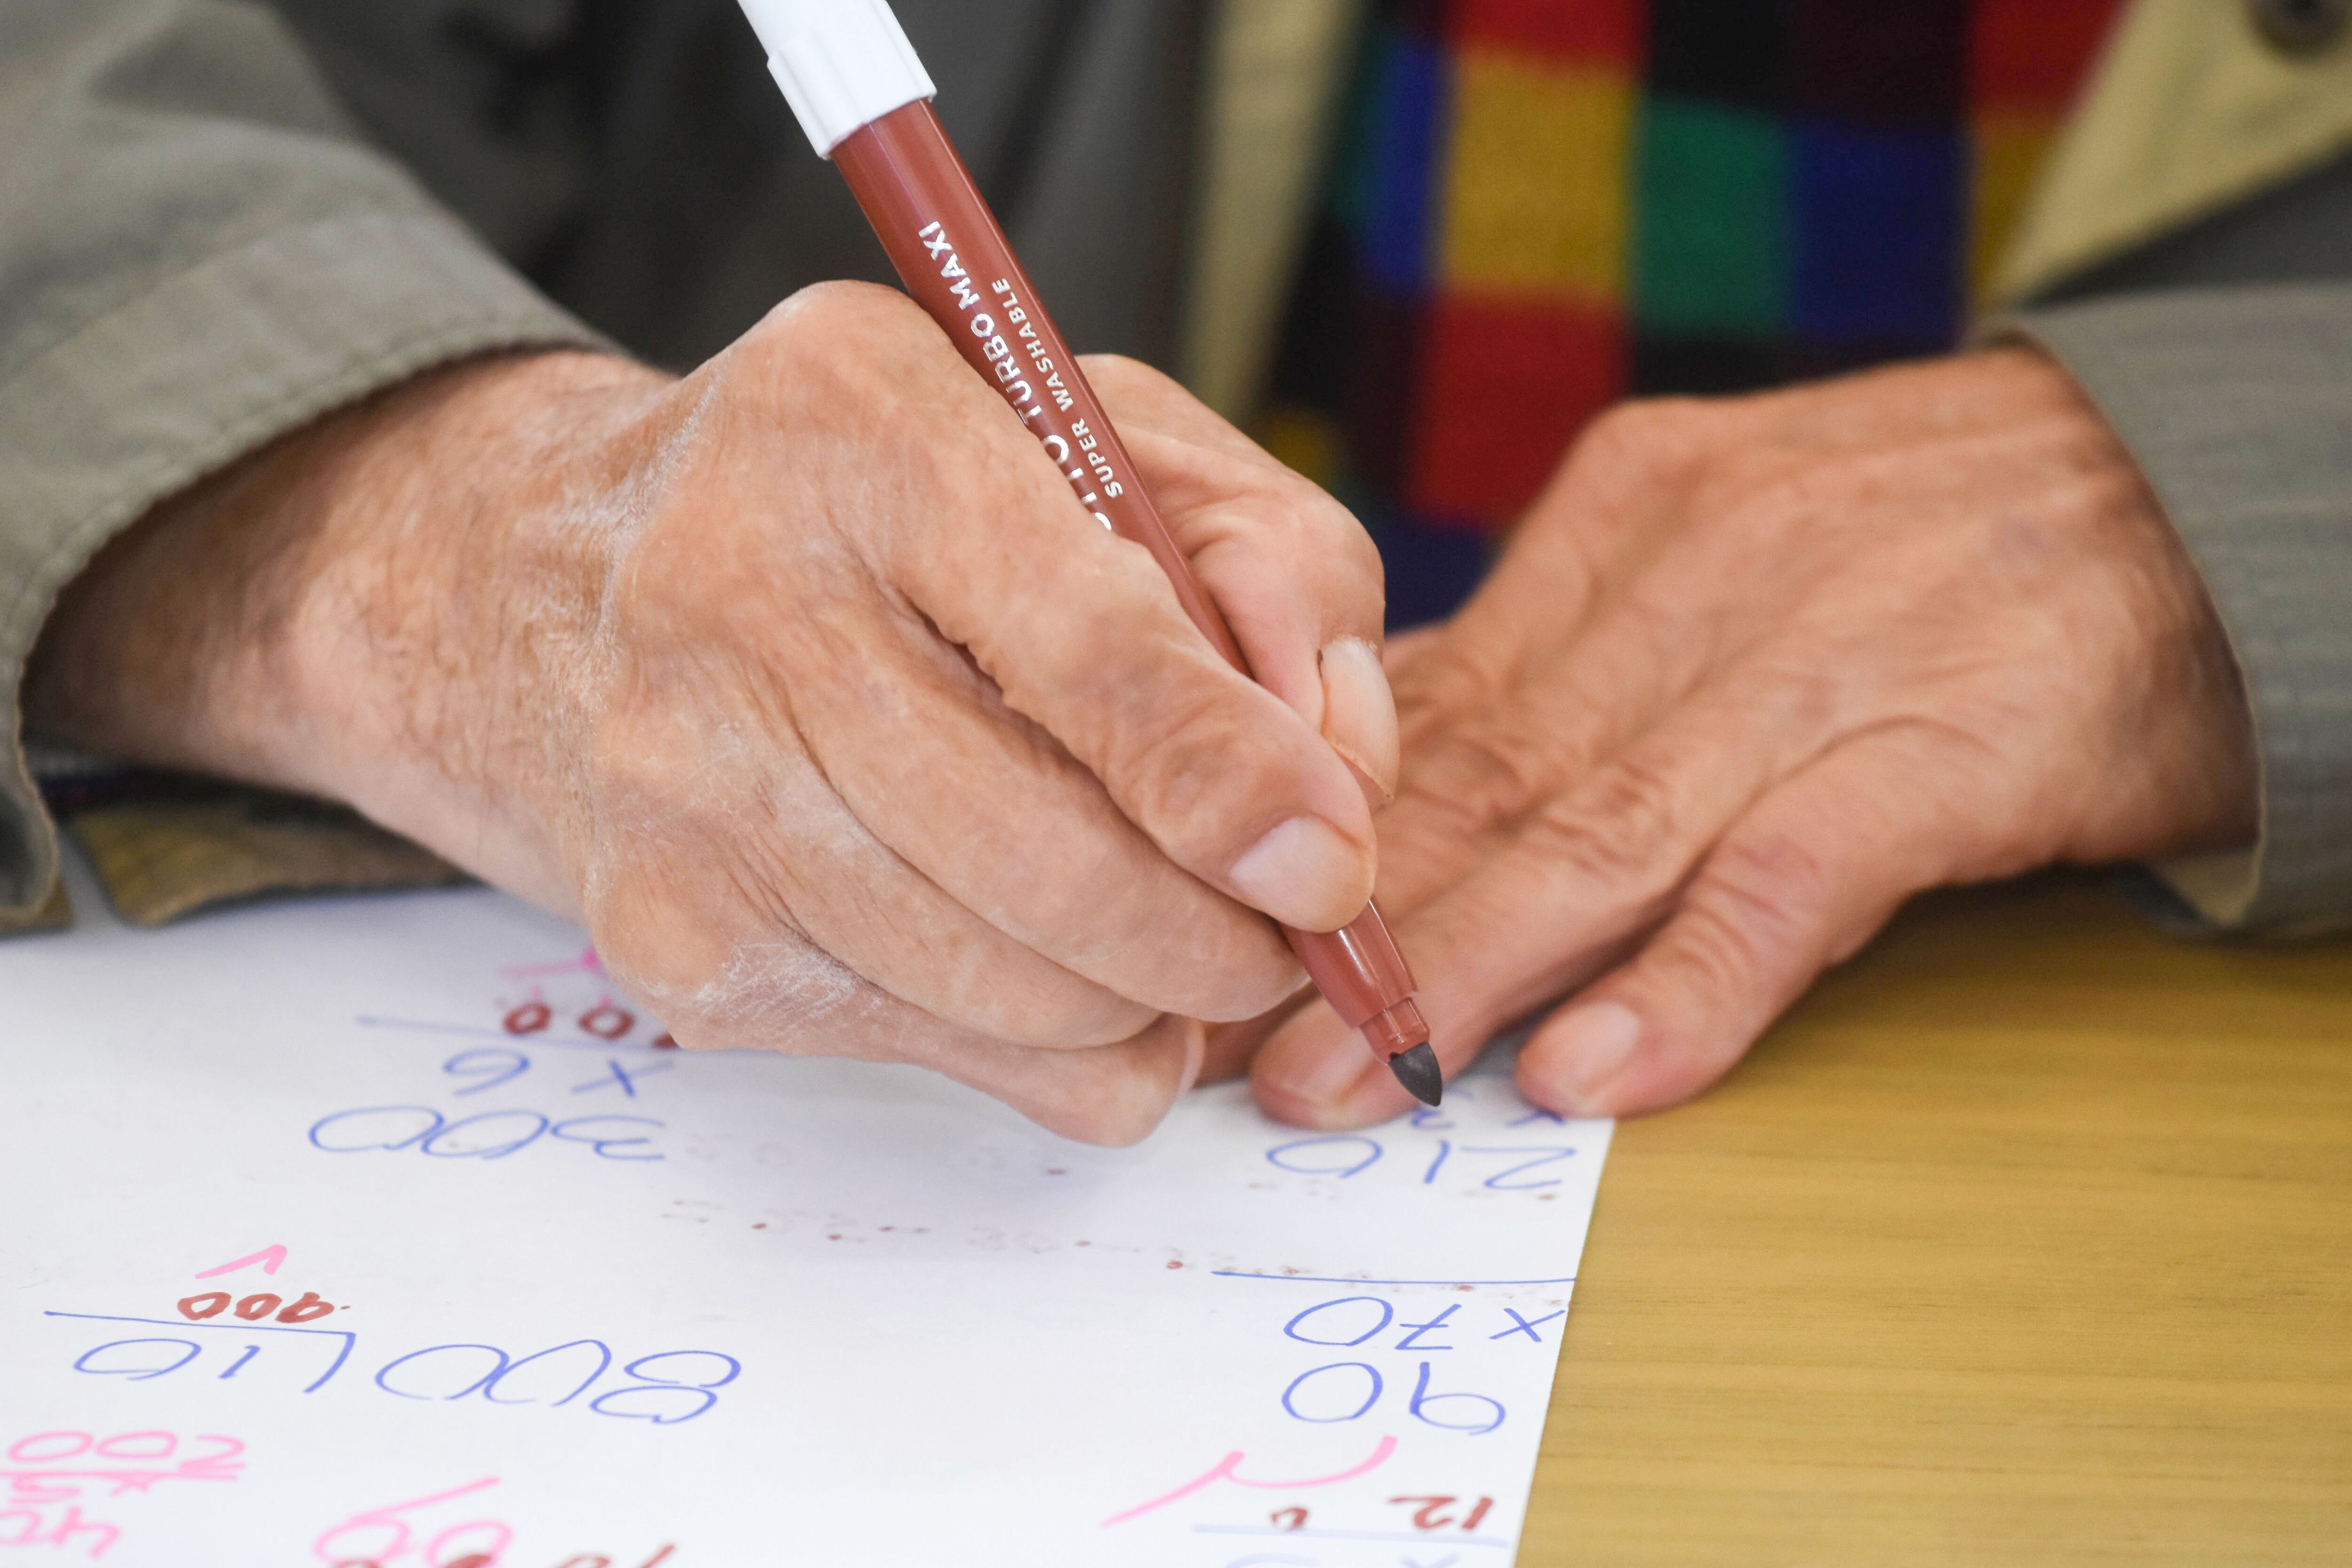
[[1541, 205]]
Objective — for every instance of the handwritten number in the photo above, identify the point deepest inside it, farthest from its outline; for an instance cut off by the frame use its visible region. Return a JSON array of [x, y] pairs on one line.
[[489, 1385], [389, 1128], [1427, 1516], [431, 1145], [135, 1373], [39, 1449], [1407, 1343], [658, 1387], [330, 1546], [1371, 1397], [1500, 1181], [1341, 1148], [319, 1128], [490, 1066], [529, 1019], [607, 1022], [1444, 1147], [482, 1556], [1388, 1314], [1422, 1400], [1346, 1154], [397, 1362], [309, 1309], [567, 1131]]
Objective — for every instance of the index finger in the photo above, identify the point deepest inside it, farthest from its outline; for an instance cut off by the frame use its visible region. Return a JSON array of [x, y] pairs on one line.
[[1083, 636], [1294, 574]]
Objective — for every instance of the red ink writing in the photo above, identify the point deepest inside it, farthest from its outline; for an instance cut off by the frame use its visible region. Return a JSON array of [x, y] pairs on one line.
[[269, 1257], [310, 1308], [49, 1475], [1431, 1512], [1224, 1470]]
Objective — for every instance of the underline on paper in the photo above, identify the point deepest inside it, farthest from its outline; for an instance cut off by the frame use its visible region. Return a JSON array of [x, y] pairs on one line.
[[1337, 1280], [465, 1031], [1422, 1539]]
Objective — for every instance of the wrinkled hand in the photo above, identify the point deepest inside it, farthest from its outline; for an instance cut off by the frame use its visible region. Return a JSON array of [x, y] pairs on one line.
[[1753, 671], [804, 682]]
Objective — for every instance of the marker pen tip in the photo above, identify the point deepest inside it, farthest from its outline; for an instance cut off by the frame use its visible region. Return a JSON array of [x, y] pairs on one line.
[[1417, 1070]]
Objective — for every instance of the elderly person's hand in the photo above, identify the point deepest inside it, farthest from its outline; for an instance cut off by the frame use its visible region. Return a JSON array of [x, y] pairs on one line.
[[805, 682], [1753, 671]]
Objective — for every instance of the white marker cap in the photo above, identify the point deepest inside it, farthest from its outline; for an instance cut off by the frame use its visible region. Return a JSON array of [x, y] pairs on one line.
[[843, 64]]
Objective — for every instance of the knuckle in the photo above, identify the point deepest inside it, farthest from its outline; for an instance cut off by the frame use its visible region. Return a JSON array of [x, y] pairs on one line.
[[1113, 1100], [1342, 539], [1424, 825], [1125, 371], [1804, 906], [1074, 1015], [1127, 1121], [1776, 887], [824, 308], [1440, 688], [1622, 827], [1176, 770], [1492, 770], [850, 343], [1639, 435], [1241, 971], [1715, 950]]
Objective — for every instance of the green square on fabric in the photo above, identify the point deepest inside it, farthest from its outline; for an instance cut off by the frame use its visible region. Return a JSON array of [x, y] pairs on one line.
[[1711, 228]]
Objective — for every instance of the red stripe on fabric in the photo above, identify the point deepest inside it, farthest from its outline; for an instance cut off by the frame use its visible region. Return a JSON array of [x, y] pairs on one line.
[[1504, 390], [2033, 54], [1591, 32]]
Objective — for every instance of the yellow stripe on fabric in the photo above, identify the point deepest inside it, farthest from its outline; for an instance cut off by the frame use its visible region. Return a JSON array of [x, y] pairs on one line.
[[1307, 443], [1535, 200], [2010, 147]]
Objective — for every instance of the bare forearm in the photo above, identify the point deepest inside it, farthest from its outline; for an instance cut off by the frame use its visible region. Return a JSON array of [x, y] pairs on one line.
[[332, 613]]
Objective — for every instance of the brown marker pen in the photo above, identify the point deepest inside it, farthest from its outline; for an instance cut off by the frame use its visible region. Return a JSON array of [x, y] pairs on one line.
[[865, 101]]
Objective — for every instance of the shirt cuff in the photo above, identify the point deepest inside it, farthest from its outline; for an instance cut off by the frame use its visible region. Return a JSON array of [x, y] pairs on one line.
[[218, 359]]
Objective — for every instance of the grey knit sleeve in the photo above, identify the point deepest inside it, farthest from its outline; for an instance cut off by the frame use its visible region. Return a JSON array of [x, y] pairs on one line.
[[2236, 404], [196, 255]]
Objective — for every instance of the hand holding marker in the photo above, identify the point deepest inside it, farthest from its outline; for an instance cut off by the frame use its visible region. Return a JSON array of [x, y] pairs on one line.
[[863, 98]]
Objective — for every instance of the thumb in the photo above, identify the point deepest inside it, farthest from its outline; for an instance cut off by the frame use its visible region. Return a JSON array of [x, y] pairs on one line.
[[1800, 883]]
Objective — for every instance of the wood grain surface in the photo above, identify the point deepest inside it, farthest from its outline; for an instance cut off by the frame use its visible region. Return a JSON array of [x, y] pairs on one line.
[[2026, 1239]]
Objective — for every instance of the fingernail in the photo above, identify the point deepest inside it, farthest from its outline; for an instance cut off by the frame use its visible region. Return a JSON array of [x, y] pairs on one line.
[[1359, 717], [1304, 874], [1591, 1046]]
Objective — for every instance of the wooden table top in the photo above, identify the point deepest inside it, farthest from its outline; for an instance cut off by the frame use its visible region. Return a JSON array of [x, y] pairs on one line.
[[2026, 1239]]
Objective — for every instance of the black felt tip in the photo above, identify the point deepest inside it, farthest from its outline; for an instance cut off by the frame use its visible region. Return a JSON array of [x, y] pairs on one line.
[[1417, 1070]]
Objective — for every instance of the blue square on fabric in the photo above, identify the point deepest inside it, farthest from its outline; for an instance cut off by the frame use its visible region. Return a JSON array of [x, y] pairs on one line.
[[1395, 176], [1433, 569], [1874, 241]]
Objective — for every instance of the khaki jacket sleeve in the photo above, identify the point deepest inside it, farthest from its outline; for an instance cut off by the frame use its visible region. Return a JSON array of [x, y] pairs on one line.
[[2236, 404], [196, 255]]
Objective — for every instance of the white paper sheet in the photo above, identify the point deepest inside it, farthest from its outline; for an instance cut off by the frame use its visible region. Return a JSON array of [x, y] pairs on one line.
[[379, 1231]]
